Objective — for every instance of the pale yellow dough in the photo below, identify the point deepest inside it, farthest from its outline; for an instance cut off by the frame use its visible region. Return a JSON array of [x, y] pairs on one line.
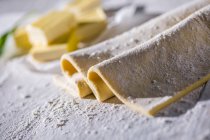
[[80, 61], [75, 85], [160, 71]]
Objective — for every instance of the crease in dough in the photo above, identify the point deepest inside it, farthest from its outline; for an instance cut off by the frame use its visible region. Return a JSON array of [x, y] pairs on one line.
[[80, 61], [162, 70], [75, 79]]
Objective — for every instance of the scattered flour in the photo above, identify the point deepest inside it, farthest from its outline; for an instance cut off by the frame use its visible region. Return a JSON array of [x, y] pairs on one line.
[[46, 112]]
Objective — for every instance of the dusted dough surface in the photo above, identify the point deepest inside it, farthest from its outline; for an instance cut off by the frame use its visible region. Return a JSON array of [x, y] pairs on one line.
[[133, 38], [148, 76], [80, 61]]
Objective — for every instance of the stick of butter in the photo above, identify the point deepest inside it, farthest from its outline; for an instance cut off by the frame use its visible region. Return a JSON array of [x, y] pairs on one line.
[[48, 53], [53, 28], [46, 34], [79, 6], [85, 33], [21, 39]]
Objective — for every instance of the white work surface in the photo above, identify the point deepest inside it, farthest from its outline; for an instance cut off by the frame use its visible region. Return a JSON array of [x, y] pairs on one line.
[[33, 107]]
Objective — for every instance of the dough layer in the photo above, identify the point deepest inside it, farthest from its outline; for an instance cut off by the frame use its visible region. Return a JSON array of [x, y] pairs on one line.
[[160, 71], [80, 61]]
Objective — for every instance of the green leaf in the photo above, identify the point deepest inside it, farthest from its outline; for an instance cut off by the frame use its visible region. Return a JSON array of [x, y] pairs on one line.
[[3, 40], [4, 37]]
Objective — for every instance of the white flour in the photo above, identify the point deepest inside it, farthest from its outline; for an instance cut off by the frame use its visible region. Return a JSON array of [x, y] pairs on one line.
[[32, 107]]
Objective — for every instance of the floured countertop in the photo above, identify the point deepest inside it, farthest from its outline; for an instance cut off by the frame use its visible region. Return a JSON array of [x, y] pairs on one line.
[[33, 107]]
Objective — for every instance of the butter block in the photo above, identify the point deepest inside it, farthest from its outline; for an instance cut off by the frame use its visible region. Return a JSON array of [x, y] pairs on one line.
[[53, 28], [94, 15], [79, 6], [48, 53], [21, 39], [85, 33]]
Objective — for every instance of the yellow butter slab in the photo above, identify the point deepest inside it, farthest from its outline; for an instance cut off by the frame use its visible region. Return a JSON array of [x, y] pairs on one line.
[[85, 33], [79, 6], [48, 53], [21, 39], [93, 15], [53, 28]]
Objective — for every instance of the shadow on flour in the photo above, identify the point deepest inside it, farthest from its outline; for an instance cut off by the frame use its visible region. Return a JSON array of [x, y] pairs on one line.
[[113, 100], [175, 109], [187, 102], [206, 93]]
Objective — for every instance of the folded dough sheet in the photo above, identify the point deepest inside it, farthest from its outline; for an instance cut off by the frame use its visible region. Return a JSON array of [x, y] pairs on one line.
[[150, 66]]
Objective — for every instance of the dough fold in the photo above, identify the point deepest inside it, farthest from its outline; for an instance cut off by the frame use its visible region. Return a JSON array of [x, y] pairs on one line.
[[160, 71], [80, 61]]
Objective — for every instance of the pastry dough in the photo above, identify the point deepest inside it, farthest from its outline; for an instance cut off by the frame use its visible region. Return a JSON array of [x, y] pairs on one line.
[[81, 60], [76, 86], [160, 71]]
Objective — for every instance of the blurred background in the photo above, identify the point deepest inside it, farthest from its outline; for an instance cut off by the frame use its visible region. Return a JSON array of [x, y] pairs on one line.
[[137, 12], [10, 6]]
